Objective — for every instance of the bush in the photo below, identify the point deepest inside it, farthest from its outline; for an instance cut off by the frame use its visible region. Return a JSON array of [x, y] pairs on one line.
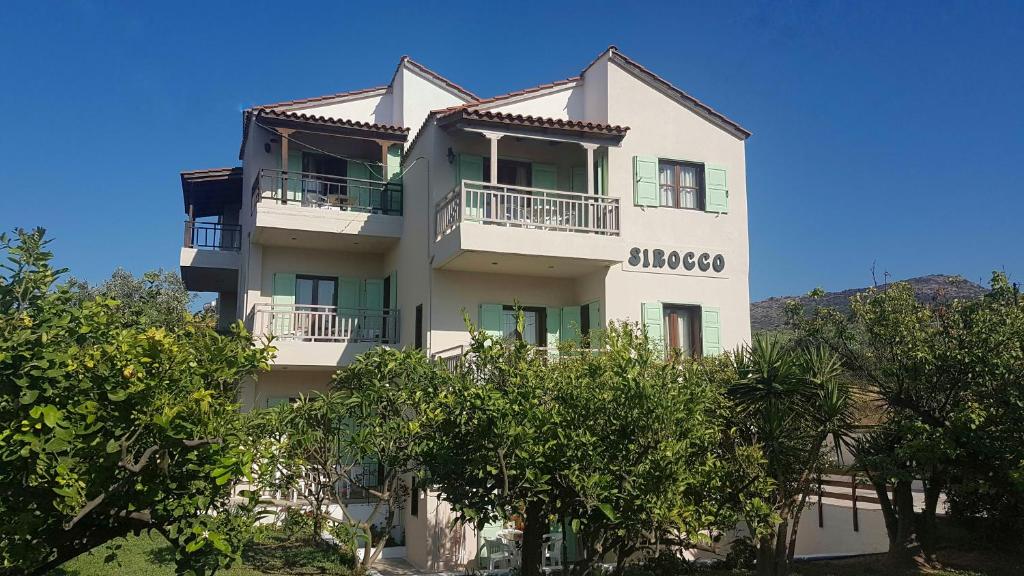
[[742, 553]]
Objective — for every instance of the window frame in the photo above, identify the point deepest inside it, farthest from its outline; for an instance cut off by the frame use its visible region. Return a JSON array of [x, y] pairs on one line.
[[542, 322], [677, 188], [696, 330], [316, 291]]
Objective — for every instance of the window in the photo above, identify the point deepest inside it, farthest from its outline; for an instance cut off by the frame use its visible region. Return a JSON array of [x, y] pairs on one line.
[[314, 291], [534, 325], [510, 172], [681, 184], [682, 330], [419, 326]]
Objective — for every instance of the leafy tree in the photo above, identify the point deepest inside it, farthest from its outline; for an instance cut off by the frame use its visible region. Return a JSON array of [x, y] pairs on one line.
[[157, 298], [367, 433], [641, 461], [495, 449], [948, 379], [789, 401], [108, 429]]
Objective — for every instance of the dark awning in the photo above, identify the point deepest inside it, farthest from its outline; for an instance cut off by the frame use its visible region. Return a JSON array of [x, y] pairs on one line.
[[209, 192]]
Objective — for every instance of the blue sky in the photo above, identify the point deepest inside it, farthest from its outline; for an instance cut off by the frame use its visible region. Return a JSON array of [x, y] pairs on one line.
[[886, 133]]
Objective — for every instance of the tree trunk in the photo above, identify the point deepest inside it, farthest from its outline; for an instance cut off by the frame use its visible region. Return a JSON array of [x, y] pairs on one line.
[[927, 529], [781, 533], [791, 551], [765, 553], [533, 538], [904, 546]]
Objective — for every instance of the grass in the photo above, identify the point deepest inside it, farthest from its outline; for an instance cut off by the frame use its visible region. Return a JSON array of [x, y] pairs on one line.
[[153, 556]]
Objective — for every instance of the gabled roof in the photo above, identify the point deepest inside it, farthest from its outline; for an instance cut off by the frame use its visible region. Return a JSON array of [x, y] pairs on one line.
[[437, 78], [323, 100], [652, 79]]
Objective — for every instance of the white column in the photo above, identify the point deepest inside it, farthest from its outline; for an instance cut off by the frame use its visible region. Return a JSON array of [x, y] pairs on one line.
[[591, 185], [494, 155]]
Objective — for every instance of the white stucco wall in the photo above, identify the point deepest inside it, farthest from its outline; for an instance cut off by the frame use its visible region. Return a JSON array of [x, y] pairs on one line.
[[564, 103]]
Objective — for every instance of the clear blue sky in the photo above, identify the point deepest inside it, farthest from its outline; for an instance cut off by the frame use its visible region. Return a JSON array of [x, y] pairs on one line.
[[883, 132]]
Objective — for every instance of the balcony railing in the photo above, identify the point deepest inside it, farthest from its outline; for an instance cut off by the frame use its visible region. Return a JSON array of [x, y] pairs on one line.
[[526, 208], [299, 322], [212, 236], [327, 191]]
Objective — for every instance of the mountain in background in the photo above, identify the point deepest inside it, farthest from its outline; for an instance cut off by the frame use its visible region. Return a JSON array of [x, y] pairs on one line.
[[770, 314]]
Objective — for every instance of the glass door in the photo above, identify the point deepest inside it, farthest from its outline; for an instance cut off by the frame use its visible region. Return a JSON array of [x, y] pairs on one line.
[[315, 300]]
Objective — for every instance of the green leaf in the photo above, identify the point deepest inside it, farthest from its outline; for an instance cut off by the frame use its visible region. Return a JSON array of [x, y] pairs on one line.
[[607, 509]]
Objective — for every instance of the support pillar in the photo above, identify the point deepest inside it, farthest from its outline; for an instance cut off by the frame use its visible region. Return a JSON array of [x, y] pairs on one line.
[[285, 134], [591, 185]]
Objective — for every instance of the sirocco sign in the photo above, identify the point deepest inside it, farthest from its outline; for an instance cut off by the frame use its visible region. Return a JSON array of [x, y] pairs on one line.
[[676, 261]]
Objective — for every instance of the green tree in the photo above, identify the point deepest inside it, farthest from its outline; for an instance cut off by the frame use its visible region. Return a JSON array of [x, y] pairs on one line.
[[157, 298], [641, 465], [948, 377], [790, 402], [495, 449], [108, 429], [366, 433]]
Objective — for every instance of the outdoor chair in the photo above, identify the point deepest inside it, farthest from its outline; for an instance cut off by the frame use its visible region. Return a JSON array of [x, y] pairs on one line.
[[499, 553]]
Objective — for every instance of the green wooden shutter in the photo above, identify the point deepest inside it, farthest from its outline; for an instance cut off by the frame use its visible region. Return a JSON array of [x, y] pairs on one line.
[[393, 296], [579, 179], [394, 161], [645, 181], [490, 319], [348, 306], [711, 331], [470, 167], [360, 192], [544, 176], [601, 176], [283, 300], [716, 188], [373, 303], [654, 321], [594, 316], [554, 326], [294, 175], [570, 324]]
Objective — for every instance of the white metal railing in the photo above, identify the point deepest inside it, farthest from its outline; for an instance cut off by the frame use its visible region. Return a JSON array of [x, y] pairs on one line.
[[328, 191], [524, 207], [326, 323]]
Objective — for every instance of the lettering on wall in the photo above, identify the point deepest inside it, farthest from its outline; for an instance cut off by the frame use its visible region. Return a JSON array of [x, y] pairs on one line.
[[693, 262]]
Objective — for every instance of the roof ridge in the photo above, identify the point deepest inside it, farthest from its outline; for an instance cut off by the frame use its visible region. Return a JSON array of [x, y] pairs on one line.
[[705, 107], [436, 76], [509, 95], [319, 98]]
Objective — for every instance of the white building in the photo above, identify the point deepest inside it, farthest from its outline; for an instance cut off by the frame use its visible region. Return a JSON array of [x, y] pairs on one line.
[[378, 216]]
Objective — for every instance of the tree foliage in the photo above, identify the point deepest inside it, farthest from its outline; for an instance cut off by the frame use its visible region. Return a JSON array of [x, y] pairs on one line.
[[789, 401], [947, 379], [109, 428]]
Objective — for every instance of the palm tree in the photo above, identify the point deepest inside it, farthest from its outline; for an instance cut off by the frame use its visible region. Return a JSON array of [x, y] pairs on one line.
[[790, 401]]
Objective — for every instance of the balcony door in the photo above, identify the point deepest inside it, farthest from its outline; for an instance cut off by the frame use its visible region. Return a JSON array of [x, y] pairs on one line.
[[315, 299], [327, 175]]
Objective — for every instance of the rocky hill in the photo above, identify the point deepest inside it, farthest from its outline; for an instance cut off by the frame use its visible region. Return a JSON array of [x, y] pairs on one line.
[[770, 314]]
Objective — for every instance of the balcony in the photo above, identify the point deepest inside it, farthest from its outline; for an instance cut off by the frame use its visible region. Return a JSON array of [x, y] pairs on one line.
[[520, 230], [210, 256], [317, 336], [303, 209]]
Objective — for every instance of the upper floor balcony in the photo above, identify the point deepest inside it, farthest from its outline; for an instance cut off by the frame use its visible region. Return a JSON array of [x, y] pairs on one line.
[[318, 335], [323, 183], [531, 197], [210, 253]]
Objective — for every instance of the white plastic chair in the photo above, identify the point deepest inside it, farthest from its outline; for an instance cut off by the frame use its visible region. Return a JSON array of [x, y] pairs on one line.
[[499, 553], [552, 551]]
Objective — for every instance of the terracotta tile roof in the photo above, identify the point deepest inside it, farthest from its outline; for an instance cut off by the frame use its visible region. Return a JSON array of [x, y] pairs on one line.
[[319, 99], [537, 121], [469, 95], [518, 93], [651, 77], [333, 121]]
